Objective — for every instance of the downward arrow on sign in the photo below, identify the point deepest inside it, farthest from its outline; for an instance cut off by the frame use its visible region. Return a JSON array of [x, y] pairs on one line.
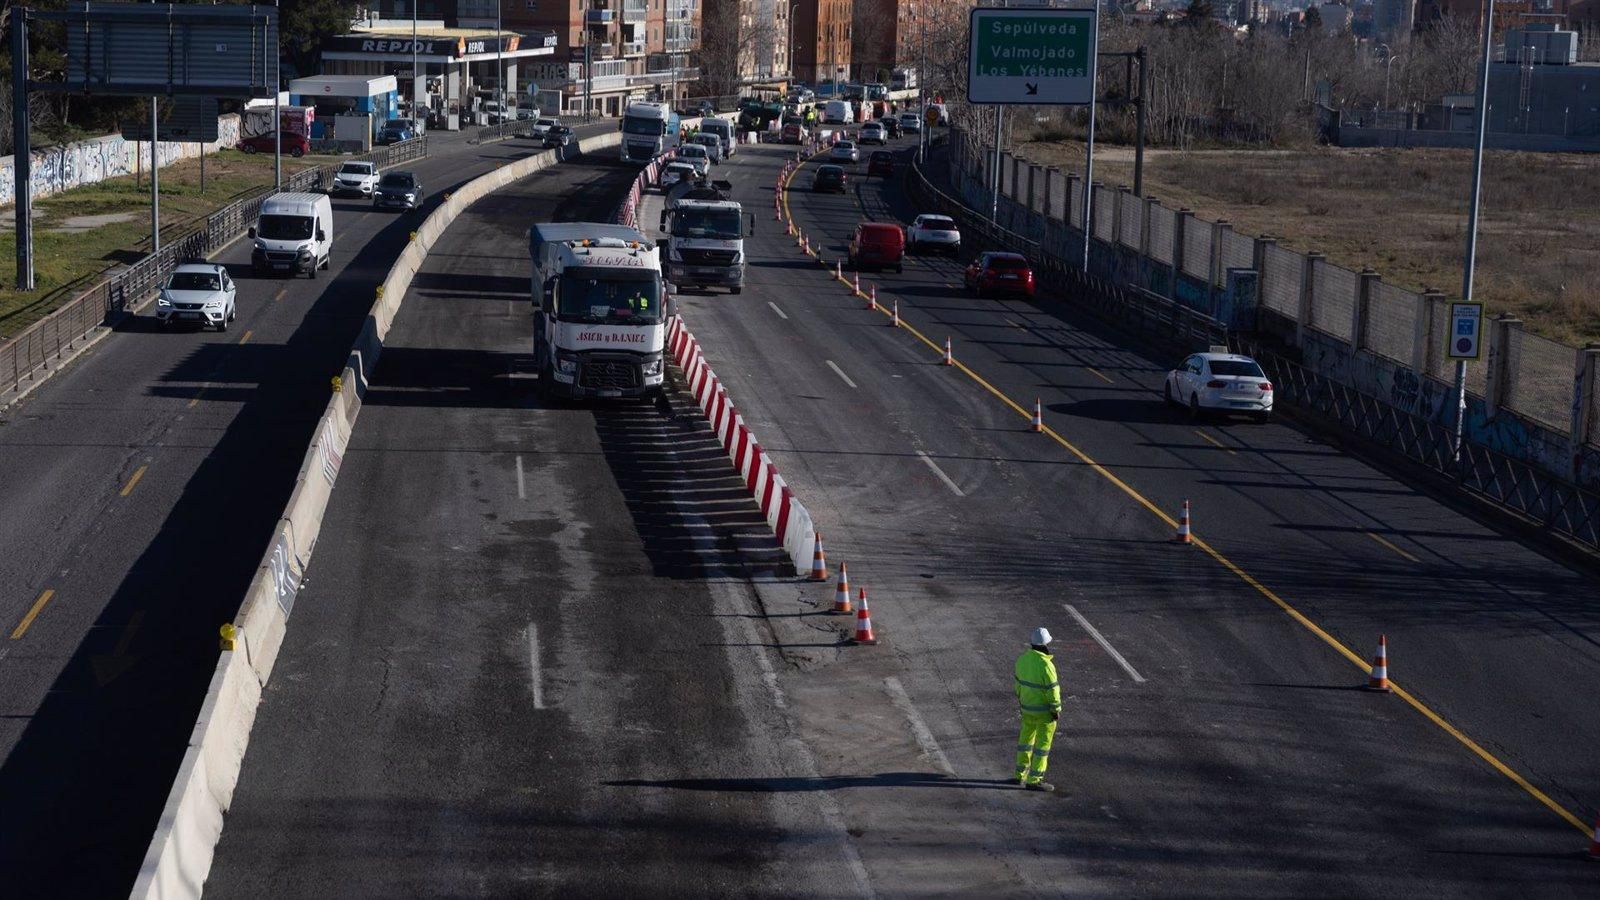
[[1032, 88]]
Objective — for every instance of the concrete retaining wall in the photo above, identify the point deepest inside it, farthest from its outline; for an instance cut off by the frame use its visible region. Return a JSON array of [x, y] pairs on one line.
[[180, 853], [59, 169]]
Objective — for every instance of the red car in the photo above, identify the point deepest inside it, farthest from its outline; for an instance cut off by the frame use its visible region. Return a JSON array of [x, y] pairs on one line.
[[881, 162], [296, 145], [879, 245], [1000, 273]]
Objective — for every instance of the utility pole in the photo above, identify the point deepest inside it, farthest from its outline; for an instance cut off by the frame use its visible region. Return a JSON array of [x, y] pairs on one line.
[[416, 91], [499, 63], [1088, 169], [1470, 261], [277, 116], [21, 147], [155, 182]]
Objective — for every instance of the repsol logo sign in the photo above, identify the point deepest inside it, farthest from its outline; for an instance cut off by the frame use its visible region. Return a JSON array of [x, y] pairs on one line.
[[375, 45]]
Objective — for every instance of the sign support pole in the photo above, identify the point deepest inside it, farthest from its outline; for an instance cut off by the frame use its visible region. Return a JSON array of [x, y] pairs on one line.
[[277, 117], [1472, 216], [1088, 168], [22, 158], [155, 180], [994, 181]]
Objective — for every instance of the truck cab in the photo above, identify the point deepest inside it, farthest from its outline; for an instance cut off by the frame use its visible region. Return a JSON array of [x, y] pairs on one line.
[[705, 237], [648, 130], [600, 310]]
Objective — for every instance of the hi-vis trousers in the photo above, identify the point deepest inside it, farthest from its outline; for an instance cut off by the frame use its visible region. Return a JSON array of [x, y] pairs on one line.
[[1033, 746]]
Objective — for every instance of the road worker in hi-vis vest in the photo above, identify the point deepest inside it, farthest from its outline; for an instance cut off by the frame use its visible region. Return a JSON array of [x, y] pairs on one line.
[[1039, 695]]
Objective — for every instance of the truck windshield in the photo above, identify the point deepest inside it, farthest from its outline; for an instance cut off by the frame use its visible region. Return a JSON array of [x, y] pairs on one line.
[[721, 224], [633, 125], [614, 296], [284, 228]]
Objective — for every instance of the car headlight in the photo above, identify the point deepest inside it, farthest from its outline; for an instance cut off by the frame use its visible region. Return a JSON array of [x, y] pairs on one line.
[[163, 301], [738, 257], [565, 364], [674, 254], [653, 367]]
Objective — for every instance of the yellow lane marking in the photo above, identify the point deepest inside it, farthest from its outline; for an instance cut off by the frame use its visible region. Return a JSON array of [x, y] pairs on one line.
[[280, 294], [33, 613], [1333, 642], [1017, 325], [1379, 538], [246, 336], [137, 474], [195, 400], [1214, 442], [1103, 377]]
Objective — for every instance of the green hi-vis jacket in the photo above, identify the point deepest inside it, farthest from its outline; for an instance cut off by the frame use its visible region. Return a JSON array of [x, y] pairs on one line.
[[1037, 688]]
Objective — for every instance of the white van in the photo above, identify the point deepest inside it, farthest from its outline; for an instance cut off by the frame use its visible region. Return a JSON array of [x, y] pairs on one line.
[[293, 234], [838, 112], [723, 129]]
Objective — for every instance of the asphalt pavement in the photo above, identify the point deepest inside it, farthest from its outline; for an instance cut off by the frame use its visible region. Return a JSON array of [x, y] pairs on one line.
[[1224, 747], [525, 661], [140, 485]]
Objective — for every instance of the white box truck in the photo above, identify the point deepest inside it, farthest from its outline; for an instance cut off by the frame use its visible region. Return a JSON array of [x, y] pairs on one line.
[[293, 234], [599, 310], [648, 130]]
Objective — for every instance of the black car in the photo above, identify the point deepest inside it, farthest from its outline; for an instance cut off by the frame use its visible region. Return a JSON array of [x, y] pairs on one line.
[[398, 190], [557, 136], [891, 125], [828, 178]]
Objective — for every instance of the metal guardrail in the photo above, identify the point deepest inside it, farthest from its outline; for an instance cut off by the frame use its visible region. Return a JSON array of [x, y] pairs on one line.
[[1557, 505], [45, 341]]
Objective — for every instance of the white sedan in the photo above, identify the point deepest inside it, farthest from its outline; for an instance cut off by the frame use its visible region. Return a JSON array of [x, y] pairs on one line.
[[844, 151], [201, 293], [697, 156], [1219, 381], [929, 232]]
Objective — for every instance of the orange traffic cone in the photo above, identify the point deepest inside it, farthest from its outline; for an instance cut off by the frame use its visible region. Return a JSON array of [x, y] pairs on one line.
[[864, 633], [949, 360], [1038, 418], [841, 594], [872, 298], [799, 238], [1379, 679], [1183, 526], [819, 561], [1594, 842], [788, 228], [895, 323]]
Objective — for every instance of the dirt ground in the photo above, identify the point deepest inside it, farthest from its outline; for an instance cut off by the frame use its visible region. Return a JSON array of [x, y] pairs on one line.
[[1401, 211]]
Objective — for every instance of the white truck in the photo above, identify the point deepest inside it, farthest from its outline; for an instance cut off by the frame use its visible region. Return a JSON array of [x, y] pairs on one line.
[[705, 236], [648, 130], [600, 311], [293, 233]]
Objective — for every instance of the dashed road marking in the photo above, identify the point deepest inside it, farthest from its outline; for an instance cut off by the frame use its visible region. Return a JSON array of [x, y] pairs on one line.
[[33, 613], [954, 488], [133, 481], [535, 676], [1215, 443], [1100, 375], [919, 728], [781, 313], [1379, 538], [839, 372], [522, 490], [245, 336], [1104, 644], [282, 292]]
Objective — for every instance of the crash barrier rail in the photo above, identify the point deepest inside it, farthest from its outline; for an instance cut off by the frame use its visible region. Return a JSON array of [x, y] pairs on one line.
[[786, 516], [1336, 315], [44, 342], [1530, 491], [180, 853]]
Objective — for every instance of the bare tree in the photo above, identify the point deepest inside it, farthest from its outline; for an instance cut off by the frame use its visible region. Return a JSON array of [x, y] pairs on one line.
[[733, 37]]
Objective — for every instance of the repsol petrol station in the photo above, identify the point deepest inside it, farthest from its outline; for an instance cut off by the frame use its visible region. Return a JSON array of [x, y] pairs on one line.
[[458, 66]]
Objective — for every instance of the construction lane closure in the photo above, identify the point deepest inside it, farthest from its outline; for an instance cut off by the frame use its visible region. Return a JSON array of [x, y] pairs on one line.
[[939, 348]]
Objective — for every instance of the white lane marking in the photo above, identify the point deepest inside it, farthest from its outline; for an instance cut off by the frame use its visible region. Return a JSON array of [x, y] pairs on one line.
[[535, 677], [781, 313], [919, 728], [839, 372], [942, 476], [522, 490], [1104, 644]]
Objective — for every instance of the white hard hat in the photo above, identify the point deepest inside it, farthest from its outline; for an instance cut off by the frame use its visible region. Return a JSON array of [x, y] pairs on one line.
[[1041, 637]]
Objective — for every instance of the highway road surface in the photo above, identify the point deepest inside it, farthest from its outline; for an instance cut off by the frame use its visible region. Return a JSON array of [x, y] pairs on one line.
[[139, 487]]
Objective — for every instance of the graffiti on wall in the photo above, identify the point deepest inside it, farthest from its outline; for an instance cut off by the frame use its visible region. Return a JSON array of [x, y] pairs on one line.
[[57, 169]]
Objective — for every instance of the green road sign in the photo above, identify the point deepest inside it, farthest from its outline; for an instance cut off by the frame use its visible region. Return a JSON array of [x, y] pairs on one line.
[[1031, 56]]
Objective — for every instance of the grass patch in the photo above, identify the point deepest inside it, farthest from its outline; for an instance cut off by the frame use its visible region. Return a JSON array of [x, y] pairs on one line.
[[67, 262], [1402, 212]]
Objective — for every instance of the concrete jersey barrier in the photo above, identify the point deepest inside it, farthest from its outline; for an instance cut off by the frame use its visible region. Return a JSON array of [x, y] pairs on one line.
[[180, 852]]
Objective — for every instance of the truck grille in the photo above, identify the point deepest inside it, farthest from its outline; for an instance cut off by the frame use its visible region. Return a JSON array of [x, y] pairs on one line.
[[694, 257], [609, 374], [282, 255]]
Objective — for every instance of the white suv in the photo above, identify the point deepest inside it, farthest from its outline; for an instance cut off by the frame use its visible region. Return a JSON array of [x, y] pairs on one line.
[[932, 232], [358, 178], [198, 292]]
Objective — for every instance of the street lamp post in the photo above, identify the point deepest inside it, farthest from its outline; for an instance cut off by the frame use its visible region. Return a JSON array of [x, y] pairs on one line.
[[792, 8], [415, 93], [1386, 64]]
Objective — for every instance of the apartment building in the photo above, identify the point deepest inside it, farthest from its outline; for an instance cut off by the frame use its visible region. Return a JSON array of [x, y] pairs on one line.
[[744, 42], [822, 30], [887, 35]]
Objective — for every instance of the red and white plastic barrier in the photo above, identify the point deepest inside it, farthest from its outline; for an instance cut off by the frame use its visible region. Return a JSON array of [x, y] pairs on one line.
[[628, 212], [787, 517]]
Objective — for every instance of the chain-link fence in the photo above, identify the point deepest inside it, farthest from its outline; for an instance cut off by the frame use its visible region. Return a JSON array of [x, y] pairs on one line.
[[1197, 249], [1391, 322], [1131, 227], [1238, 252], [1282, 278], [1542, 390], [46, 340], [1333, 299], [1161, 225]]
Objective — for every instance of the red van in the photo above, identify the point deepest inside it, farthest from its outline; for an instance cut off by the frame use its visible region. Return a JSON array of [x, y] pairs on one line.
[[878, 245]]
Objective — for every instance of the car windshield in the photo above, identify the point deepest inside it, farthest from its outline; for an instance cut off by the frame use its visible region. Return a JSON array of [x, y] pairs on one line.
[[356, 169], [618, 296], [396, 181], [692, 151], [634, 125], [845, 145], [1008, 263], [938, 223], [881, 156], [284, 228], [1241, 368], [194, 281], [830, 172], [721, 224]]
